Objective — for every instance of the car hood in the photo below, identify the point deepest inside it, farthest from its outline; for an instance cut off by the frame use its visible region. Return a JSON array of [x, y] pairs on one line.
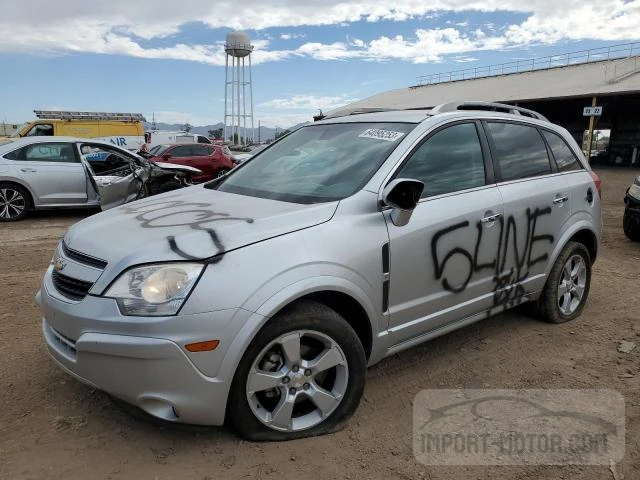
[[178, 168], [187, 224]]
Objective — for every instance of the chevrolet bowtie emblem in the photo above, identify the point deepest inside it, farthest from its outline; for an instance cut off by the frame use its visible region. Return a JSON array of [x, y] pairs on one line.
[[59, 265]]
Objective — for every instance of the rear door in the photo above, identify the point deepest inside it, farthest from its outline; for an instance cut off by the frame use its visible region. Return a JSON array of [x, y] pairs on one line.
[[536, 207], [583, 196], [441, 262], [53, 172]]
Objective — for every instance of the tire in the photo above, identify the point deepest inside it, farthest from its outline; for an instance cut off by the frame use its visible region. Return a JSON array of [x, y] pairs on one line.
[[631, 226], [221, 172], [169, 186], [320, 333], [15, 202], [553, 307]]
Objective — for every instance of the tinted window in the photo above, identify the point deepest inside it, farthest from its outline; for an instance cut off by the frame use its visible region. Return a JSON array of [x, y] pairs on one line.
[[519, 151], [181, 151], [199, 150], [450, 160], [46, 152], [564, 156], [317, 163], [202, 139]]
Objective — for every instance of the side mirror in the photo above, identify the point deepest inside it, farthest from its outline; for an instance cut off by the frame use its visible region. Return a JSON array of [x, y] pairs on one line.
[[402, 195], [166, 156]]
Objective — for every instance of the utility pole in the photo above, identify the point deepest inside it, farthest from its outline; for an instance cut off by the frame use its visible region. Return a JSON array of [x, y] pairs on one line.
[[258, 131]]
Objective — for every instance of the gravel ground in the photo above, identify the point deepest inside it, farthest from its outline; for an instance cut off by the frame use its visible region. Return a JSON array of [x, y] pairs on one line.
[[52, 427]]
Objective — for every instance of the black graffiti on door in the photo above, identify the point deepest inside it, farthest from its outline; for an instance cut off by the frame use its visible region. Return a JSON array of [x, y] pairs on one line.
[[507, 289]]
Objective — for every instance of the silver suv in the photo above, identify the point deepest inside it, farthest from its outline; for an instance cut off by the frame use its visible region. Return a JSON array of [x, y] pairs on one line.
[[262, 296]]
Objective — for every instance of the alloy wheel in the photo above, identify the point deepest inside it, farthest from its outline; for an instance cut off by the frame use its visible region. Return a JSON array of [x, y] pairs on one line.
[[297, 381], [12, 203], [572, 284]]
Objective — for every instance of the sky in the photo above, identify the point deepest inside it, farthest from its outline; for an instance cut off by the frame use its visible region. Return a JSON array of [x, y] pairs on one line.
[[167, 57]]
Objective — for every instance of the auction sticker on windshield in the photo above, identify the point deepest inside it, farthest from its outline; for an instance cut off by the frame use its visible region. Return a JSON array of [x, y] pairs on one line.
[[387, 135]]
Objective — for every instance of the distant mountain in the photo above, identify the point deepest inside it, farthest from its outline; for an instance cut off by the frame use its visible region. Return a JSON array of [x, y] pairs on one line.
[[265, 132]]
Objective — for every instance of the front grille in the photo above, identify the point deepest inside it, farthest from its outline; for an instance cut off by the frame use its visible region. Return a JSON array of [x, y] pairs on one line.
[[70, 287], [82, 258]]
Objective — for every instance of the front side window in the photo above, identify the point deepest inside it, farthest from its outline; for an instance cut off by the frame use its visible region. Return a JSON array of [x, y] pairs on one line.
[[564, 156], [46, 152], [41, 130], [519, 150], [317, 163], [448, 161], [181, 151], [199, 150]]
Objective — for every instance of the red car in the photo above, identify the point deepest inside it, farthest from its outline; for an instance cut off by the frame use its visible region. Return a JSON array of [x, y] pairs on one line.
[[212, 160]]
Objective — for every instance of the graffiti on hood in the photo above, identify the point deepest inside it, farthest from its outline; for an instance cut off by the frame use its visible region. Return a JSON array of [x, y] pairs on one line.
[[507, 284], [198, 216]]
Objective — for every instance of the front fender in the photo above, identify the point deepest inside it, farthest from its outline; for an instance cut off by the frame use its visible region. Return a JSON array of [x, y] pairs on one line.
[[277, 302]]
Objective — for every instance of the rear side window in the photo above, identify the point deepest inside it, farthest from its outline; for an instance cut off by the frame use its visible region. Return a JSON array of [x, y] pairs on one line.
[[519, 151], [448, 161], [45, 152], [202, 139], [564, 156]]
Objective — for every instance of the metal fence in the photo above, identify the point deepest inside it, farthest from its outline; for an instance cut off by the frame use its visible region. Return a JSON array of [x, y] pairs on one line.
[[622, 50]]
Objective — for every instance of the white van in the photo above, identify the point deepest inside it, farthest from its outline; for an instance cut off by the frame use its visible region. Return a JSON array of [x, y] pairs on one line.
[[163, 137]]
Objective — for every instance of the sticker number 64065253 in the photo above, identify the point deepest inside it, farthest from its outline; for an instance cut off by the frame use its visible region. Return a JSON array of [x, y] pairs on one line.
[[387, 135]]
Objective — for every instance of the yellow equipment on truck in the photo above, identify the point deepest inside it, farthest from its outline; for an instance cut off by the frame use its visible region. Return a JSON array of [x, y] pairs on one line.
[[123, 129]]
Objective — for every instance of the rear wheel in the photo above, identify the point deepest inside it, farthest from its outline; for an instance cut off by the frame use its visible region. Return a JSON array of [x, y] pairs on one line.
[[303, 375], [567, 287], [14, 202], [631, 226]]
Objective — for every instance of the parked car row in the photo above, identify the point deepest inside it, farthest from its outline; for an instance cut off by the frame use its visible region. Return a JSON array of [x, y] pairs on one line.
[[57, 172], [631, 218]]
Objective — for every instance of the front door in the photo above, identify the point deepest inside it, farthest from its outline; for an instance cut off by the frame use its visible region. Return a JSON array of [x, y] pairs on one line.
[[442, 262]]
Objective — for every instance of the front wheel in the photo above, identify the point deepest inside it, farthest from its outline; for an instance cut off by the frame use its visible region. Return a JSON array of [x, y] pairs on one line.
[[567, 287], [222, 172], [14, 202], [303, 375]]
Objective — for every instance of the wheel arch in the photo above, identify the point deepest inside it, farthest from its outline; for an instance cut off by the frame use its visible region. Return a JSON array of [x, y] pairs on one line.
[[581, 231]]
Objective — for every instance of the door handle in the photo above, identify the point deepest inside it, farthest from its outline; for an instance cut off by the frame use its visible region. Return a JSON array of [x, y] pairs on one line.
[[490, 218], [28, 170], [560, 200]]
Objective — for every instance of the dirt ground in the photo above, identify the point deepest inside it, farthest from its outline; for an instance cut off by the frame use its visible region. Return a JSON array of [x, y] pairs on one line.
[[52, 427]]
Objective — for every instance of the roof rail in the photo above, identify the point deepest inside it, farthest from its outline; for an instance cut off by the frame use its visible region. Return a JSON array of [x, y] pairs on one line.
[[64, 115], [489, 106], [356, 111]]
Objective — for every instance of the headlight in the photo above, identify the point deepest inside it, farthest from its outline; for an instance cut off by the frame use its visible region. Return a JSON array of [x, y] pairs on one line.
[[154, 290], [634, 191]]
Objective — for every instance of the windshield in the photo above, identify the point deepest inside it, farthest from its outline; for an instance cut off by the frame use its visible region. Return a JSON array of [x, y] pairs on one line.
[[158, 150], [16, 134], [317, 163]]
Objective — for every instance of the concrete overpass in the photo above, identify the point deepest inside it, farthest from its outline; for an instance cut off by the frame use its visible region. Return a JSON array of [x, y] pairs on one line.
[[558, 91]]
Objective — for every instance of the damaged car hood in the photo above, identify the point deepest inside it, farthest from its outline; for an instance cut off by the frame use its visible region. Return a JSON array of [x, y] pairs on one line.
[[189, 224]]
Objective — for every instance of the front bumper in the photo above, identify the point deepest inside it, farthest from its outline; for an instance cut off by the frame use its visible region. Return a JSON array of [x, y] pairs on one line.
[[632, 209], [142, 360]]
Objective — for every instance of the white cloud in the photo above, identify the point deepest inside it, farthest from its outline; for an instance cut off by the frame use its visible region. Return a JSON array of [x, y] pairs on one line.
[[291, 36], [122, 27], [308, 102]]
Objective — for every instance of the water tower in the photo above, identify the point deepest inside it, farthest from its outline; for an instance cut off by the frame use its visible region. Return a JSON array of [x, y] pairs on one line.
[[238, 110]]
